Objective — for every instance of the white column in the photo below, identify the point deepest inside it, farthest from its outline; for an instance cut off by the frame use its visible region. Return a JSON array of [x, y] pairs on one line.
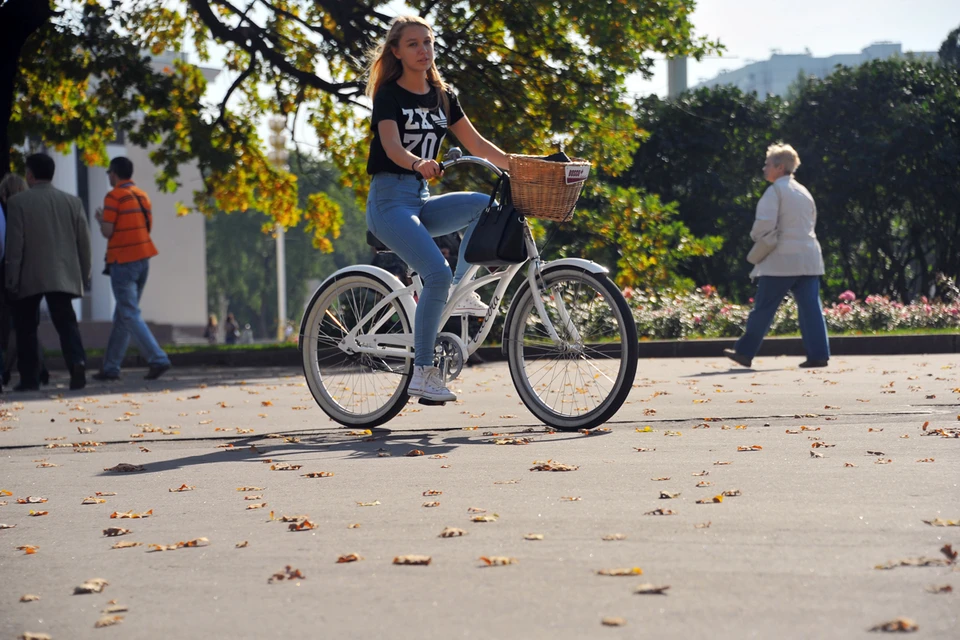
[[281, 284], [676, 76]]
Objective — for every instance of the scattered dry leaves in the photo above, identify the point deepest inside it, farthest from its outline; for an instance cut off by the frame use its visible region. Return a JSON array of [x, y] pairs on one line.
[[412, 560], [94, 585], [648, 589], [130, 515], [350, 557], [288, 573], [900, 625], [632, 571]]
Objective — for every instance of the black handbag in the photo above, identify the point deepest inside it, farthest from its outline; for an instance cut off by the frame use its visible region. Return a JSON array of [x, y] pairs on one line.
[[497, 239]]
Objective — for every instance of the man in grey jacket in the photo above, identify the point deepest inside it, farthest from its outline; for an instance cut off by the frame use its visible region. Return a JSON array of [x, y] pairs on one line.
[[48, 256]]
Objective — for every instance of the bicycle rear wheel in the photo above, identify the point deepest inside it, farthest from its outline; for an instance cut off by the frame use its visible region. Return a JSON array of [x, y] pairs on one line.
[[583, 380], [355, 389]]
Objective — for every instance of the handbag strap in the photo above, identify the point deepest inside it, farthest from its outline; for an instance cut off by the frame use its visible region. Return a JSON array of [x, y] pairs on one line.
[[501, 189], [143, 210]]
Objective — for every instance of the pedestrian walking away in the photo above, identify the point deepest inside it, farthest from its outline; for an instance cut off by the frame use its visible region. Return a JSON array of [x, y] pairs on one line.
[[11, 185], [787, 258], [126, 220], [231, 330], [47, 257], [413, 108]]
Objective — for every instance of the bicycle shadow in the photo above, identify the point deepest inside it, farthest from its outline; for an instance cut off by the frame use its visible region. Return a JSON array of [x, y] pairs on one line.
[[382, 443]]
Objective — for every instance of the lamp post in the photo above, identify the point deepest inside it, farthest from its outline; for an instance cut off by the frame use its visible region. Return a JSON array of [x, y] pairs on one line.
[[278, 157]]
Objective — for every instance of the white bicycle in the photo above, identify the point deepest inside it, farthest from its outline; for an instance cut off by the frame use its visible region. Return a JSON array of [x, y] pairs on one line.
[[569, 338]]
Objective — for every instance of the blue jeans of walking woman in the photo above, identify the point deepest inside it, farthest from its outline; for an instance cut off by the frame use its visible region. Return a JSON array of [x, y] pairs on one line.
[[127, 281], [402, 215], [770, 293]]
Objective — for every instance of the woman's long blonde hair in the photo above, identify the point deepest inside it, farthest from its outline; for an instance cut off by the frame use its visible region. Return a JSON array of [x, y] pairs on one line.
[[11, 184], [385, 67]]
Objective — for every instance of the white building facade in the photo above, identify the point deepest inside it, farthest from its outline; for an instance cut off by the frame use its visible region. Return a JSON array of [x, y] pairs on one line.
[[776, 75]]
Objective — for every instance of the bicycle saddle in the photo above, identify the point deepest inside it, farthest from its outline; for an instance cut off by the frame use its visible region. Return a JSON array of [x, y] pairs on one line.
[[374, 242]]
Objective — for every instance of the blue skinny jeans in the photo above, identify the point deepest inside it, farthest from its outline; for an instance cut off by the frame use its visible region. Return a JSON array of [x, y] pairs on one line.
[[402, 215]]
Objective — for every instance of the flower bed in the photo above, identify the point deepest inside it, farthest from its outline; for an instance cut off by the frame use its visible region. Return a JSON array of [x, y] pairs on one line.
[[672, 315]]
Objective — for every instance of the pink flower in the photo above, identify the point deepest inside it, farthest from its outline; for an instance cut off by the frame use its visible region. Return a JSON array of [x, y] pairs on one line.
[[848, 296], [751, 300], [697, 319], [708, 290], [628, 293], [870, 300], [844, 309]]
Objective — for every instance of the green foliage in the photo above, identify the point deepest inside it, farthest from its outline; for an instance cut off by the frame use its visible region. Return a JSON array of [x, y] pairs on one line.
[[880, 151], [950, 49], [632, 233], [528, 72], [241, 256], [704, 152]]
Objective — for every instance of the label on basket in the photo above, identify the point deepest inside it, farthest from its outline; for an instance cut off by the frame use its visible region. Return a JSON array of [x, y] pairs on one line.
[[576, 173]]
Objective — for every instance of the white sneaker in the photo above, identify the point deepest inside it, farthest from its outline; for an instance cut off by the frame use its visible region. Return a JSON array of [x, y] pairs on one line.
[[470, 304], [427, 383]]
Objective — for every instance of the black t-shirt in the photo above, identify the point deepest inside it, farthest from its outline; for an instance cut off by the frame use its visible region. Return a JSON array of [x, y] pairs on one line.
[[421, 121]]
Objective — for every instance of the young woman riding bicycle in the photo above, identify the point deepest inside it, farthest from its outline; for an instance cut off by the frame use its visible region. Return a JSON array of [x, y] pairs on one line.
[[413, 108]]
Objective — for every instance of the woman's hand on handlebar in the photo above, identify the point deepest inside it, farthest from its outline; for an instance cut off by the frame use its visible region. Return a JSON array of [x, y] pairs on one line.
[[429, 169]]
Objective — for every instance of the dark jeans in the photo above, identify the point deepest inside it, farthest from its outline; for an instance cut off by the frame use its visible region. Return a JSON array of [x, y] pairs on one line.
[[26, 319], [770, 293]]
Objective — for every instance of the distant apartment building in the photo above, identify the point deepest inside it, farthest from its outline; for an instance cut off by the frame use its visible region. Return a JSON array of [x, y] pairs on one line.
[[774, 76]]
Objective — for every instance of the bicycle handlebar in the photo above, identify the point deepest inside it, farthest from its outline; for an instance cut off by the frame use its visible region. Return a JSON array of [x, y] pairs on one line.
[[455, 156]]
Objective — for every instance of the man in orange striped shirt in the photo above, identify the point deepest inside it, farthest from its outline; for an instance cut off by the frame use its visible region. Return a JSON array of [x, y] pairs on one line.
[[125, 220]]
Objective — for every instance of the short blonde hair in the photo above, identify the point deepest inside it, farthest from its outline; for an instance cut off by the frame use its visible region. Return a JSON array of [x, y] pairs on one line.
[[783, 155]]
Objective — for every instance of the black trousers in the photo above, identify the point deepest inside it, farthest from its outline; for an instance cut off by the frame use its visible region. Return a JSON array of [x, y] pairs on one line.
[[26, 319]]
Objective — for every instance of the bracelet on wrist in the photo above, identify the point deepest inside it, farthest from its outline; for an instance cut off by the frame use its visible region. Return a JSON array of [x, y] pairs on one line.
[[413, 167]]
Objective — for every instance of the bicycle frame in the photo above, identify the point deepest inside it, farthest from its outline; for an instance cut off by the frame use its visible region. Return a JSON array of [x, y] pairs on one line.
[[372, 343]]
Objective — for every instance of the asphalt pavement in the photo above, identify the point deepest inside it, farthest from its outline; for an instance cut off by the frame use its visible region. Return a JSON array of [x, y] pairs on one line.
[[783, 490]]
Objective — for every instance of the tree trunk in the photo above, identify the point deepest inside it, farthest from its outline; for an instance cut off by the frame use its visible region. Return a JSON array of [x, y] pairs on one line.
[[19, 19]]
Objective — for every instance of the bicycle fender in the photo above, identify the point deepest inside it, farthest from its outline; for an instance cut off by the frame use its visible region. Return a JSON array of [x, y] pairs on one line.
[[385, 277], [576, 263]]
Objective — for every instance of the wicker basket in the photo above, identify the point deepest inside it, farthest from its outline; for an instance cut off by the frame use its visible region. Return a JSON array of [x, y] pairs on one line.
[[544, 189]]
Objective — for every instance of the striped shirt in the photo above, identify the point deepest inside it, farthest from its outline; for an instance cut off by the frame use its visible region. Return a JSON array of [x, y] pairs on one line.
[[131, 224]]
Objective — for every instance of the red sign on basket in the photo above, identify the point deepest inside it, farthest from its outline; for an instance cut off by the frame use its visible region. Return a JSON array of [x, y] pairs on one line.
[[576, 173]]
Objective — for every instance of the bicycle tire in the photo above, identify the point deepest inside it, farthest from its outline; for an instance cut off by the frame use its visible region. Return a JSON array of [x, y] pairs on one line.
[[577, 375], [345, 385]]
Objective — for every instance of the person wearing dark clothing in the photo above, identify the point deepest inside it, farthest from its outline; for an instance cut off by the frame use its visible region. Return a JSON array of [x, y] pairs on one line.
[[47, 257], [231, 330]]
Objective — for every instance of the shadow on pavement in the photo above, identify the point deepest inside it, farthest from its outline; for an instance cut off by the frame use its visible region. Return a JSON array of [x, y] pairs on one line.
[[131, 381], [384, 443]]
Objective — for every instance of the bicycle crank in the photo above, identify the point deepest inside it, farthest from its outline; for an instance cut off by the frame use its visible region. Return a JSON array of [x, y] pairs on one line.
[[450, 354]]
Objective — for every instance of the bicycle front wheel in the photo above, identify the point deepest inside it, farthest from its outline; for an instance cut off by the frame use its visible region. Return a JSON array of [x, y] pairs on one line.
[[355, 389], [581, 380]]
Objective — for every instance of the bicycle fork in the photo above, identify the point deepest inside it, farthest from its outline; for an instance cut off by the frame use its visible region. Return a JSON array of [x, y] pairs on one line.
[[537, 288]]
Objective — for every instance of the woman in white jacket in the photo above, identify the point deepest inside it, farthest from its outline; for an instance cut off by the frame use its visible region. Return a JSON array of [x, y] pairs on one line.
[[787, 213]]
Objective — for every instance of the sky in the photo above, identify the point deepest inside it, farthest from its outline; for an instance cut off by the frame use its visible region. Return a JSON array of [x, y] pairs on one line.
[[751, 29]]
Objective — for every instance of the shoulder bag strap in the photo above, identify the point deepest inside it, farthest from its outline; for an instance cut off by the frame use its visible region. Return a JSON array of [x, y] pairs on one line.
[[143, 210]]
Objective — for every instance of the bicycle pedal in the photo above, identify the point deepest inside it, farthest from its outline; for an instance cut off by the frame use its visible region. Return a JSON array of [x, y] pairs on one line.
[[432, 403]]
